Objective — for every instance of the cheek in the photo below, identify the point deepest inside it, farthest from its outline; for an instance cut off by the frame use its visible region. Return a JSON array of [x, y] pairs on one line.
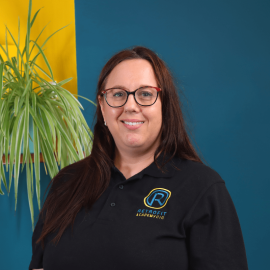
[[112, 113], [155, 117]]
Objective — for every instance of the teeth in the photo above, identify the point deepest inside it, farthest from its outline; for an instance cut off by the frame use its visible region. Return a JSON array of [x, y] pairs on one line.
[[132, 123]]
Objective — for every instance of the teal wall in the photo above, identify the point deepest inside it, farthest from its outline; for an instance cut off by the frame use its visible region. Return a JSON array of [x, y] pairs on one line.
[[16, 227], [219, 53]]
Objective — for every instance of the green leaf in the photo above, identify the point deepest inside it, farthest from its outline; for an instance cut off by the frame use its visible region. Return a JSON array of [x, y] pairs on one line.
[[59, 146], [18, 51], [1, 81], [52, 35], [27, 87], [36, 158], [34, 17], [42, 70], [75, 137], [4, 52], [18, 145], [28, 31], [46, 126], [86, 99], [26, 128], [7, 54], [37, 121], [16, 71], [64, 82], [44, 57], [57, 92], [29, 180], [37, 40], [2, 172], [1, 192], [70, 97], [67, 140], [14, 139], [7, 127], [48, 157], [16, 105]]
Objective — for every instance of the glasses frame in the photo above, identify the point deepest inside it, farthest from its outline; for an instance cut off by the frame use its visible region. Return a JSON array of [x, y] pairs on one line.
[[131, 93]]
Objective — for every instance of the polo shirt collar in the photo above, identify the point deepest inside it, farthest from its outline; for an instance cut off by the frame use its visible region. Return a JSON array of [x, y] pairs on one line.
[[153, 170]]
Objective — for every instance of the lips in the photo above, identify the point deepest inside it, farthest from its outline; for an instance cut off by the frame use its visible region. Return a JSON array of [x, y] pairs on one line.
[[132, 120], [132, 127]]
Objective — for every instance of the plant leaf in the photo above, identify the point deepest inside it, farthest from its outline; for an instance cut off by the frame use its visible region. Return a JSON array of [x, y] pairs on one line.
[[75, 137], [18, 145], [45, 58], [66, 139], [38, 38], [16, 105], [29, 83], [14, 139], [64, 81], [18, 48], [18, 51], [2, 173], [52, 35], [1, 79], [29, 179], [42, 70], [26, 128], [37, 161], [38, 123]]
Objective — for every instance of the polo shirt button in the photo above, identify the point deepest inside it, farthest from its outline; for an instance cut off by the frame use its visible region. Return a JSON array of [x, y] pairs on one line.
[[112, 204], [121, 186]]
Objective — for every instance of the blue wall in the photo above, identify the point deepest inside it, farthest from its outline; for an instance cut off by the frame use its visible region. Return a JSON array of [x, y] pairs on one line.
[[219, 54], [16, 227]]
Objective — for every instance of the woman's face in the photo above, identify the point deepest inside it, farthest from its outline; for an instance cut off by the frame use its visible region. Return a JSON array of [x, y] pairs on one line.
[[132, 74]]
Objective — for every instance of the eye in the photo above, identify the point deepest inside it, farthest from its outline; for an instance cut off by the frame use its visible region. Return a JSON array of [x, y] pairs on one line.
[[118, 94], [146, 94]]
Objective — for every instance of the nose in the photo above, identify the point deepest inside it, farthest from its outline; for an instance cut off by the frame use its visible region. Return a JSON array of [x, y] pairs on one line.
[[131, 102]]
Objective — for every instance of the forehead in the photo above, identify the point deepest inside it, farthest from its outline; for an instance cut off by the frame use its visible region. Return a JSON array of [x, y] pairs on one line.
[[131, 73]]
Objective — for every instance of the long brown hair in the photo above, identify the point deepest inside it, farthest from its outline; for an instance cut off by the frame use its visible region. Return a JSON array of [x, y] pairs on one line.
[[89, 177]]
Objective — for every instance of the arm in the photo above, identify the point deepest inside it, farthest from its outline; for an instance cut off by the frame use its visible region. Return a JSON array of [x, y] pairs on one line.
[[215, 237]]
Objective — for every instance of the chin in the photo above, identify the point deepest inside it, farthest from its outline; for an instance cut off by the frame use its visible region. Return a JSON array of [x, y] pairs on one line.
[[134, 142]]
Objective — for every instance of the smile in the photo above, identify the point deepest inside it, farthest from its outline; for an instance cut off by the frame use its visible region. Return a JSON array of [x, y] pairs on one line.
[[132, 125]]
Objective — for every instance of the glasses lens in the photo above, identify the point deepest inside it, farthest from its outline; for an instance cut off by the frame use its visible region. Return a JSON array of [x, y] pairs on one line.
[[116, 97], [146, 95]]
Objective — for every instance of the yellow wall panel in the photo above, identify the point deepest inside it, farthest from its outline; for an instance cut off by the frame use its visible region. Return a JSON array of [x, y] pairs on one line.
[[60, 49]]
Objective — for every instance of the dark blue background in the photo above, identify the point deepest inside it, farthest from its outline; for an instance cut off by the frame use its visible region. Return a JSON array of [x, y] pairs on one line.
[[218, 52]]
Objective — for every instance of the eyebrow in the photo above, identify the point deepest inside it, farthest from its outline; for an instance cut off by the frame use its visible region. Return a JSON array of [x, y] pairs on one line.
[[121, 86]]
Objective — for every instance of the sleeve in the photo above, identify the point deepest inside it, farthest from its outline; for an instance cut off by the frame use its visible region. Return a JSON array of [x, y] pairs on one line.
[[215, 238]]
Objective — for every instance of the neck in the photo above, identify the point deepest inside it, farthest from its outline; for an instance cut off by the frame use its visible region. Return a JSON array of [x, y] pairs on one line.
[[130, 163]]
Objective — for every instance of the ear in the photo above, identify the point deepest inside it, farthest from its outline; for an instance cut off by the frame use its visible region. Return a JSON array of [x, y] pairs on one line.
[[101, 103]]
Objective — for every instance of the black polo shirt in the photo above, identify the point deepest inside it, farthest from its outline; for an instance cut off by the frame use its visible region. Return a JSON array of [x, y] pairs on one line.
[[178, 220]]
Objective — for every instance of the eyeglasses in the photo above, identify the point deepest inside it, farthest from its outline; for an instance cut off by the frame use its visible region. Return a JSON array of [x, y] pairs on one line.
[[144, 96]]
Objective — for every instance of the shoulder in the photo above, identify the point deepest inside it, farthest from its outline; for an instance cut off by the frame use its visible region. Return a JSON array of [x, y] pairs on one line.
[[195, 174]]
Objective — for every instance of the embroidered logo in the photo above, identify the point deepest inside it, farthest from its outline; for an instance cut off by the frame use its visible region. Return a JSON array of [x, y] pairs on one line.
[[157, 198]]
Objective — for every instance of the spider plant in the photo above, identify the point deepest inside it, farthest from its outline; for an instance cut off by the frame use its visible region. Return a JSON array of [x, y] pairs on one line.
[[60, 135]]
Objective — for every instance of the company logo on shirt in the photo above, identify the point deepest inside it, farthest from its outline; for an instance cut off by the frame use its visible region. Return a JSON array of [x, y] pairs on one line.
[[157, 198]]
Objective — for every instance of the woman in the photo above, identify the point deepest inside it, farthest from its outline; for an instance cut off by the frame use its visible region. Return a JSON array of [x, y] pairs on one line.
[[143, 199]]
